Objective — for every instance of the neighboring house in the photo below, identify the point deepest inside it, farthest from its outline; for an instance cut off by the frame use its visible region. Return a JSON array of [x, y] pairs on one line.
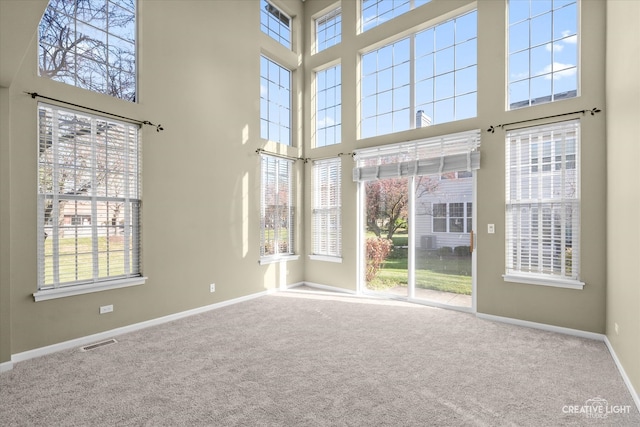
[[444, 215]]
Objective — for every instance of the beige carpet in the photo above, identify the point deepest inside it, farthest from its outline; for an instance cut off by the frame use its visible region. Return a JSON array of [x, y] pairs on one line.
[[305, 359]]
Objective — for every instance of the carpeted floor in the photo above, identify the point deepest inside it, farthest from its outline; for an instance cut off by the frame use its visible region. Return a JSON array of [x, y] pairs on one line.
[[313, 359]]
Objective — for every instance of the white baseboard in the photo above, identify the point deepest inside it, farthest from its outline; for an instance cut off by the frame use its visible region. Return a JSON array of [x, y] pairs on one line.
[[627, 381], [6, 366], [79, 342], [543, 326], [327, 288]]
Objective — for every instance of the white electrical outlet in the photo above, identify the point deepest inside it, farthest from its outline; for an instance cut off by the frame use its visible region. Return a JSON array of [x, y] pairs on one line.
[[106, 309], [212, 287], [491, 228], [615, 326]]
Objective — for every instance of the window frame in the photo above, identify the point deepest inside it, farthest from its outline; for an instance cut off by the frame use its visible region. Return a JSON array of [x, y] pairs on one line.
[[554, 45], [107, 43], [270, 173], [276, 14], [393, 12], [543, 205], [443, 214], [66, 159], [326, 209], [332, 19], [410, 114], [323, 92], [270, 102]]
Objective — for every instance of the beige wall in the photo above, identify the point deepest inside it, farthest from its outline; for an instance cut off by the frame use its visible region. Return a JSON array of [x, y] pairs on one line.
[[623, 189], [5, 272], [199, 68], [579, 309], [199, 77]]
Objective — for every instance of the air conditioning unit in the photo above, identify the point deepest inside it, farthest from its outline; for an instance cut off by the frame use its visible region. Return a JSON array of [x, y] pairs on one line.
[[428, 242]]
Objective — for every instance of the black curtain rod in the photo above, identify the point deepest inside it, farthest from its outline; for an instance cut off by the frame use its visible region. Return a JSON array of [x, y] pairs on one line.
[[593, 112], [35, 95]]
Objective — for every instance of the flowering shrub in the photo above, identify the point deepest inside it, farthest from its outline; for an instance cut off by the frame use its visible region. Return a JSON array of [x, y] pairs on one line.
[[378, 249]]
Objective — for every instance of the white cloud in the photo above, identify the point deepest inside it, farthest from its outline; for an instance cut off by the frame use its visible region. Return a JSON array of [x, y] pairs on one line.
[[326, 122], [556, 47], [561, 70]]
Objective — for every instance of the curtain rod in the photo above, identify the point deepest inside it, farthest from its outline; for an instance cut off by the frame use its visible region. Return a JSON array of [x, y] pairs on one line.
[[593, 112], [142, 122], [283, 156], [308, 159]]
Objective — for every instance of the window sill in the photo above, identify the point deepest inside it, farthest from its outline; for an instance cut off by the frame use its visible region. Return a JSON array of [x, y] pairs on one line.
[[277, 258], [546, 281], [69, 291], [326, 258]]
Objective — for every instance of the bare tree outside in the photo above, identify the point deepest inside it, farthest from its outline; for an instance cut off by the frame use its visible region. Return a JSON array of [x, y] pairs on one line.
[[90, 44]]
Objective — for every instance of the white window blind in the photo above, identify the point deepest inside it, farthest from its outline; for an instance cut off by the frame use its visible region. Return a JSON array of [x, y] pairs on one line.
[[88, 199], [327, 208], [276, 228], [449, 153], [543, 202]]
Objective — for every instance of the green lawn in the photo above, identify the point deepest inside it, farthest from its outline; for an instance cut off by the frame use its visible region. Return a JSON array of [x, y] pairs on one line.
[[76, 258], [447, 274]]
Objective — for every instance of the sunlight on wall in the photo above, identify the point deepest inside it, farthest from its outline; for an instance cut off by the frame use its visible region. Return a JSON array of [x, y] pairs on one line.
[[245, 134], [245, 214]]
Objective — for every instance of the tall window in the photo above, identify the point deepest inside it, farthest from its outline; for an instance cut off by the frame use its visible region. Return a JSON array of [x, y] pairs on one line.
[[90, 44], [376, 12], [328, 106], [329, 29], [88, 199], [543, 202], [275, 23], [327, 208], [543, 51], [446, 70], [275, 102], [276, 207], [443, 84]]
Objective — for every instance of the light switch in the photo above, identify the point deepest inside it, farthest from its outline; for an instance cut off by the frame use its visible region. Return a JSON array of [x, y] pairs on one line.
[[491, 228]]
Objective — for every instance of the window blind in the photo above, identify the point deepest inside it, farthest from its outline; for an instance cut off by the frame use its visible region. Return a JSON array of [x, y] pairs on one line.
[[327, 206], [276, 227], [449, 153], [88, 198], [543, 201]]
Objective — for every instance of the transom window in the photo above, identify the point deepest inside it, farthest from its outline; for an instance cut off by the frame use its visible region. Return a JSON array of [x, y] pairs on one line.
[[543, 51], [329, 29], [327, 208], [275, 102], [275, 23], [543, 203], [276, 207], [90, 44], [376, 12], [441, 88], [328, 106], [88, 199]]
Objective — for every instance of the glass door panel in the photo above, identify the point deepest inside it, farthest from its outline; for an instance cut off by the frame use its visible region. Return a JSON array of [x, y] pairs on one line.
[[387, 236], [443, 241]]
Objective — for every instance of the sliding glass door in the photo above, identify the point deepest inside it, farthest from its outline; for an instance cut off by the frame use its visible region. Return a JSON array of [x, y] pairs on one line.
[[418, 239]]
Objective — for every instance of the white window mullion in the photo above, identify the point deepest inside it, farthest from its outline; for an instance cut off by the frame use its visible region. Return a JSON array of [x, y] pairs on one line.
[[127, 207], [55, 207], [94, 201]]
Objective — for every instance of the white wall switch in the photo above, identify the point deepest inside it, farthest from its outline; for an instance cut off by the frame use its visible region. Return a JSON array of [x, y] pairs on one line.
[[491, 228], [212, 287]]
